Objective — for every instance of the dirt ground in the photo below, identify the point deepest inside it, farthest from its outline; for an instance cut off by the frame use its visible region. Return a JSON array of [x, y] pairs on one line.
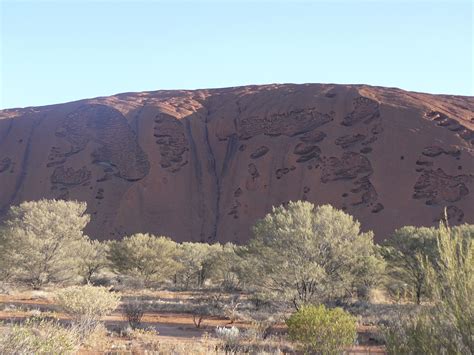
[[172, 327]]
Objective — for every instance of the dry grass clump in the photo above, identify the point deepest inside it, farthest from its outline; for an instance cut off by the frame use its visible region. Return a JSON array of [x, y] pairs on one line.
[[37, 336]]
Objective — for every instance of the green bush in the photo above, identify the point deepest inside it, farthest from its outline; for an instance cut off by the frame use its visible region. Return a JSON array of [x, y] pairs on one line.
[[87, 305], [303, 254], [145, 257], [321, 330], [40, 240], [39, 337]]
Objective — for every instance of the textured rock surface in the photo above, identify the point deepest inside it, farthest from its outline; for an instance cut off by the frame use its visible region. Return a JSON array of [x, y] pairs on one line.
[[204, 165]]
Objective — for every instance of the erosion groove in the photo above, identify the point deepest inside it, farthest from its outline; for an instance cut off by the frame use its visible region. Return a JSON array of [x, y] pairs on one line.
[[197, 179], [23, 166], [212, 168]]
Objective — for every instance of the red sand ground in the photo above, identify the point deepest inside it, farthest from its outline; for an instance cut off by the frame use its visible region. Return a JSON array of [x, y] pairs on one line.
[[172, 327]]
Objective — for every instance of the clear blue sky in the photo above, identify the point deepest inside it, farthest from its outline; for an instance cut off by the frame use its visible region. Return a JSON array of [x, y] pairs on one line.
[[53, 52]]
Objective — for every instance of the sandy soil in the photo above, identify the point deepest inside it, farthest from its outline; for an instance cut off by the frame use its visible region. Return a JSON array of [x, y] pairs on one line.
[[172, 327]]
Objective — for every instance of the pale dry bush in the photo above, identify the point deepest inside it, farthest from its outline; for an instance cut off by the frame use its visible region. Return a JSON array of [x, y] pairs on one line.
[[98, 339], [36, 336], [144, 339], [87, 305], [230, 338]]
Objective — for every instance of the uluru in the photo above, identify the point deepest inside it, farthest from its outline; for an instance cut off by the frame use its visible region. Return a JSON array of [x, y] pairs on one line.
[[204, 165]]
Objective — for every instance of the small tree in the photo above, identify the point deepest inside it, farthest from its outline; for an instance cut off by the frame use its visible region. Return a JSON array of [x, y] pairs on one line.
[[133, 311], [447, 325], [225, 265], [403, 251], [7, 266], [322, 331], [92, 258], [306, 254], [40, 240], [144, 256], [196, 263]]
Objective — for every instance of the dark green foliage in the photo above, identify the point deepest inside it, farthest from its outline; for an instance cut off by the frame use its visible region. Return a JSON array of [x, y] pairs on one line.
[[322, 331]]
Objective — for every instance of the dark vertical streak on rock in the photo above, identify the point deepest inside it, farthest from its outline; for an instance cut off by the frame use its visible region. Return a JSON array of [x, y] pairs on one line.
[[5, 135], [212, 168], [232, 145], [196, 163], [24, 164], [135, 124]]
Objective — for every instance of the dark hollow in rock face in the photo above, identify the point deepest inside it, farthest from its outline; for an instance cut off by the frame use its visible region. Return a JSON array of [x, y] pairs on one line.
[[365, 110], [366, 189], [288, 123], [259, 152], [304, 149], [349, 140], [377, 208], [350, 166], [70, 176], [253, 171], [436, 187], [454, 214], [434, 151], [5, 164], [313, 137]]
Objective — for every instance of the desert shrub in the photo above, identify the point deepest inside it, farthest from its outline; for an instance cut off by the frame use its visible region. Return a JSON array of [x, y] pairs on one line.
[[447, 325], [97, 340], [321, 330], [36, 336], [305, 254], [414, 335], [133, 312], [145, 339], [146, 257], [40, 240], [260, 329], [87, 305], [260, 300], [398, 290]]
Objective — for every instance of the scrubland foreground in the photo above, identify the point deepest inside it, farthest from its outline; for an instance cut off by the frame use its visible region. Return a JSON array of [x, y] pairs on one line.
[[308, 282]]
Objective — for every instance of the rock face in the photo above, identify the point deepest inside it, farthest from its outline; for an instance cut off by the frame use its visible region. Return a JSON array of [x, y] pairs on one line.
[[204, 165]]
